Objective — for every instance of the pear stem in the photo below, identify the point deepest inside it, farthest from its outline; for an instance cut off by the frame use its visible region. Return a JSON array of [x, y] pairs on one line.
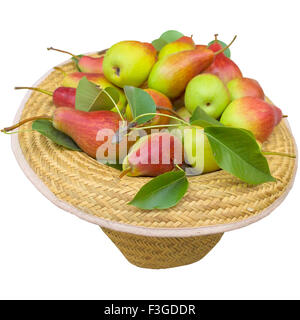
[[60, 70], [225, 48], [284, 116], [63, 51], [112, 100], [5, 130], [266, 153], [123, 173], [171, 111], [36, 89], [159, 114]]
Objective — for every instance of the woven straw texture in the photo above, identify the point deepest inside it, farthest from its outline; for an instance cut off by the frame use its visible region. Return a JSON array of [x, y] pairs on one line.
[[161, 253], [213, 199]]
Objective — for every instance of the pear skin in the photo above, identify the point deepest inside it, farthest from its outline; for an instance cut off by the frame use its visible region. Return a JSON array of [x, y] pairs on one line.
[[252, 114], [83, 128], [150, 157], [90, 64], [245, 87], [182, 44], [197, 150], [129, 63], [278, 112], [171, 74], [224, 68]]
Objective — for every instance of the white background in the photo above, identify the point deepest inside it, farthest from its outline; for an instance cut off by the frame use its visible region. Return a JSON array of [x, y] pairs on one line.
[[48, 253]]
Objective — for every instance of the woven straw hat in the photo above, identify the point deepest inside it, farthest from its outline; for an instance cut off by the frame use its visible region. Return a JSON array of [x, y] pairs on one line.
[[215, 203]]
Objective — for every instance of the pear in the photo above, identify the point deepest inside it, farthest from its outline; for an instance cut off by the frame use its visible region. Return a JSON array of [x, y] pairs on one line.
[[245, 87], [129, 63], [92, 131], [224, 68], [252, 114], [85, 63], [91, 64], [182, 44], [208, 92], [153, 155], [161, 101], [171, 74], [72, 79], [197, 151], [61, 96], [278, 112]]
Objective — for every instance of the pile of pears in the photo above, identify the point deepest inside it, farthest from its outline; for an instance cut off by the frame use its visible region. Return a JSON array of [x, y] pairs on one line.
[[180, 77]]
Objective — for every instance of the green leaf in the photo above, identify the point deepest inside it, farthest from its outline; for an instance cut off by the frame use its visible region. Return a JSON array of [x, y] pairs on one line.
[[76, 60], [89, 97], [158, 44], [162, 192], [227, 52], [236, 151], [171, 35], [46, 128], [140, 102], [202, 119]]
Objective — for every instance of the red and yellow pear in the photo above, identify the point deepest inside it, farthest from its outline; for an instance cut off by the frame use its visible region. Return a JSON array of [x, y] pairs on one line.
[[171, 74], [222, 66], [182, 44], [85, 63], [153, 155], [245, 87], [91, 130], [278, 112], [252, 114]]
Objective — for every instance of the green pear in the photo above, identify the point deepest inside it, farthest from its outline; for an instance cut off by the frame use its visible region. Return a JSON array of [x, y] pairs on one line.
[[208, 92], [182, 44], [197, 150], [128, 63]]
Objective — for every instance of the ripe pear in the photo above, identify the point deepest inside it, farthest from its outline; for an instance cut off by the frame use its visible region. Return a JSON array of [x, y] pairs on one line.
[[182, 44], [208, 92], [85, 63], [161, 101], [245, 87], [72, 79], [129, 63], [252, 114], [85, 129], [61, 96], [153, 155], [91, 64], [278, 112], [171, 74], [224, 68], [197, 150]]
